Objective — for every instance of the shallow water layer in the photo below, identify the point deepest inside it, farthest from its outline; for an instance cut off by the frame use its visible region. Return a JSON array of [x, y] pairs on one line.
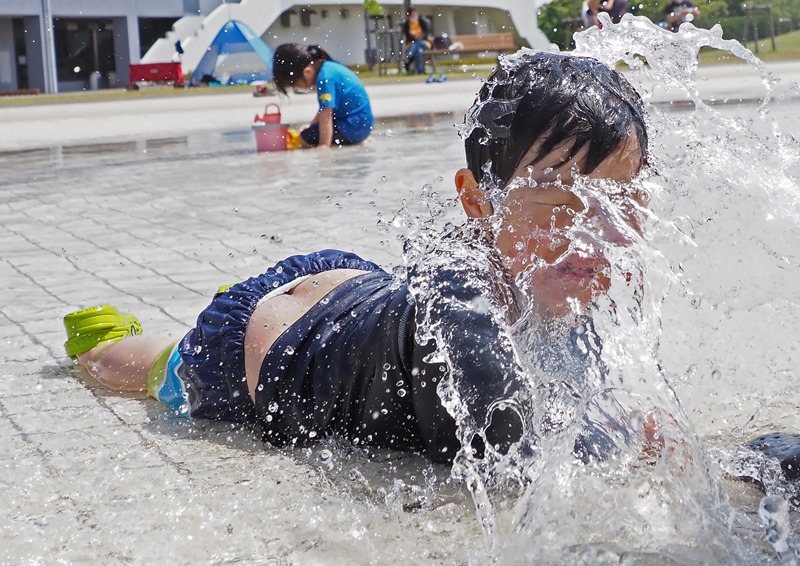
[[156, 227]]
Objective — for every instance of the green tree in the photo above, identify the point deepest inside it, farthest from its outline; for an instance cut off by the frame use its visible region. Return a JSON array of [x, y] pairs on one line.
[[559, 19]]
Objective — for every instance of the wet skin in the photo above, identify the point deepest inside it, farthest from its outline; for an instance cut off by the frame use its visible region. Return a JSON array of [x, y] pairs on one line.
[[557, 265], [272, 317]]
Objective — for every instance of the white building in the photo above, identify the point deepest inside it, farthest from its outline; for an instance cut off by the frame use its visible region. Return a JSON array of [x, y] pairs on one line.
[[56, 45]]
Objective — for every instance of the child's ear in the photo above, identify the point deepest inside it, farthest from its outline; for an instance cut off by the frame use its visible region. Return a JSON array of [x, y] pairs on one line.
[[473, 198]]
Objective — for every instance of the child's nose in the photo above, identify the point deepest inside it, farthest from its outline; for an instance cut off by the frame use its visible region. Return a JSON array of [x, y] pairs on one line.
[[607, 228]]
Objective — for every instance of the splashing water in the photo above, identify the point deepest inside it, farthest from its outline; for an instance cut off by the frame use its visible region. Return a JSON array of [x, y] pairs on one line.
[[620, 401]]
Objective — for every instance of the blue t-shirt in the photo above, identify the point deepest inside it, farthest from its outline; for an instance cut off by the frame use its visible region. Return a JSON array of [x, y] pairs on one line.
[[339, 88]]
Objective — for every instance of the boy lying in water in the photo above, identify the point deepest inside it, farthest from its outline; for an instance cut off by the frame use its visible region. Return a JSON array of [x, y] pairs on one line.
[[331, 343]]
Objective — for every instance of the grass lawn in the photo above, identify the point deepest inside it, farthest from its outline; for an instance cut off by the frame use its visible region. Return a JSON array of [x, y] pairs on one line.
[[788, 48], [453, 70]]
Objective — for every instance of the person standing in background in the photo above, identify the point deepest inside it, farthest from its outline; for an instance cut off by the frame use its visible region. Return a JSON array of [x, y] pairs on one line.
[[678, 12], [614, 8]]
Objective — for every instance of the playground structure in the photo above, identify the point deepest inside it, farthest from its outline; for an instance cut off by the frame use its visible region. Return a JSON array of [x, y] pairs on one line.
[[341, 21]]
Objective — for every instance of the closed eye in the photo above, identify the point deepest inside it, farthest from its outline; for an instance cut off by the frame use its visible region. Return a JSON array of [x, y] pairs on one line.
[[555, 197]]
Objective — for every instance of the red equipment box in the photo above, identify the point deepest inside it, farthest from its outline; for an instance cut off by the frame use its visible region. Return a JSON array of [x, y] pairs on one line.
[[155, 73]]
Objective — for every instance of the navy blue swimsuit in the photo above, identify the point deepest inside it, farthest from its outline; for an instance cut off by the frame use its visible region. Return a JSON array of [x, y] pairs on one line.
[[352, 364]]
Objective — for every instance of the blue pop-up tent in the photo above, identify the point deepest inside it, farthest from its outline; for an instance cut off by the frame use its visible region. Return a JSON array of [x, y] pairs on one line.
[[236, 56]]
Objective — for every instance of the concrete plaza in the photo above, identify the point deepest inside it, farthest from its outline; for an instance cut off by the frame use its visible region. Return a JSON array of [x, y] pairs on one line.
[[151, 205]]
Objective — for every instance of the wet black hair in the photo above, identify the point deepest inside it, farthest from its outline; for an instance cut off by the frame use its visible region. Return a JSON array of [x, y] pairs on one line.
[[289, 61], [553, 99]]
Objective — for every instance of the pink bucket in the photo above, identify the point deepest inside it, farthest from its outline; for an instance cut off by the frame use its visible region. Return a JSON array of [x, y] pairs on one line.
[[270, 134]]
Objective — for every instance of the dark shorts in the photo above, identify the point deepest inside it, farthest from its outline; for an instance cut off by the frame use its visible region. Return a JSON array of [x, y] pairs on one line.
[[311, 136], [346, 367], [212, 353]]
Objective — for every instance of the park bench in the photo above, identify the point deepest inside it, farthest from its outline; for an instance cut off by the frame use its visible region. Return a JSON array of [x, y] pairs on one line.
[[472, 45], [149, 73]]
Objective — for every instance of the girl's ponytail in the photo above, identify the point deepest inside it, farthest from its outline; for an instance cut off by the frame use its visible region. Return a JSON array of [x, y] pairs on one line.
[[318, 53]]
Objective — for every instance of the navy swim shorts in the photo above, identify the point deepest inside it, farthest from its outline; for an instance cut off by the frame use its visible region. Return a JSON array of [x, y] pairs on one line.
[[211, 366], [311, 136]]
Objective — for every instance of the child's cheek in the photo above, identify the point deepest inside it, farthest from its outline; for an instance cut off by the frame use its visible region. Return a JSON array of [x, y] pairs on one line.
[[522, 248]]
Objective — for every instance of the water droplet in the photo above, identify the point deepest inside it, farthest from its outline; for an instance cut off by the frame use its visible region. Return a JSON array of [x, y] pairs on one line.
[[273, 407], [636, 420], [288, 351], [401, 392], [387, 367], [716, 374]]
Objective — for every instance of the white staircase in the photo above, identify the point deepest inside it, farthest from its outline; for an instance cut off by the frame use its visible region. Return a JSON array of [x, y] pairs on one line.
[[197, 32]]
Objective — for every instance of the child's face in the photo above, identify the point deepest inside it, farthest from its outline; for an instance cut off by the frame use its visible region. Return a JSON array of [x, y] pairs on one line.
[[538, 212]]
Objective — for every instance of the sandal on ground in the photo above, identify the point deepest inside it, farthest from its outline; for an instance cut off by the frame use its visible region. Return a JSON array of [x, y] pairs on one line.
[[90, 327]]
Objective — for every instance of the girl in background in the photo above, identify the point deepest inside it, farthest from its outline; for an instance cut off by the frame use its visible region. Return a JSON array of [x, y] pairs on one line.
[[345, 115]]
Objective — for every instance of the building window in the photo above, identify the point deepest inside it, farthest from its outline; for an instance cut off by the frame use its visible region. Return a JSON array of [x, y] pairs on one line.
[[305, 16], [82, 47]]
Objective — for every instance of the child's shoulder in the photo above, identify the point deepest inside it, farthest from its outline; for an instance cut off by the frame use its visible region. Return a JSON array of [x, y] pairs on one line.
[[457, 266], [332, 70]]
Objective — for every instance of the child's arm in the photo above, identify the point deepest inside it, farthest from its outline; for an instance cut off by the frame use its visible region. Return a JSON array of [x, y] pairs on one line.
[[325, 119]]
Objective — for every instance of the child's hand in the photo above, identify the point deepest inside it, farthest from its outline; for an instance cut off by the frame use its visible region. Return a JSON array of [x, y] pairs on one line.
[[656, 444]]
